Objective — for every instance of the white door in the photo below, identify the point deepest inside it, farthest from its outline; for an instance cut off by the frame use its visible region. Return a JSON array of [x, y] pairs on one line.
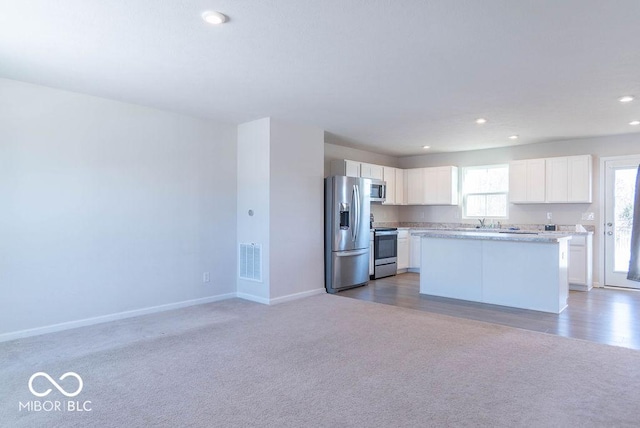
[[620, 181]]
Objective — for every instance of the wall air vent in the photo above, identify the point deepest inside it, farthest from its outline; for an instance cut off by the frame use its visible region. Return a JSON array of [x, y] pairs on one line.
[[250, 262]]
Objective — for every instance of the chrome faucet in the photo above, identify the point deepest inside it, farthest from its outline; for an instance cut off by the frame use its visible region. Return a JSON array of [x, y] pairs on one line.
[[481, 223]]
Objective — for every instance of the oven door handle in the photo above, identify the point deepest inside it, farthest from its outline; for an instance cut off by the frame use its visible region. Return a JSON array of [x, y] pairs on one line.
[[386, 233]]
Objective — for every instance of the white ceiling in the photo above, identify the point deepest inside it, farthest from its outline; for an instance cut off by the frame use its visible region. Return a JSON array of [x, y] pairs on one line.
[[388, 76]]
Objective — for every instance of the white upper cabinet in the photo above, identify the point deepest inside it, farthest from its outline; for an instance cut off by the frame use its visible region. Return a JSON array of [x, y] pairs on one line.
[[400, 187], [415, 186], [432, 186], [557, 180], [356, 169], [527, 181], [368, 170], [389, 176], [551, 180], [569, 179], [580, 179], [441, 185], [345, 167]]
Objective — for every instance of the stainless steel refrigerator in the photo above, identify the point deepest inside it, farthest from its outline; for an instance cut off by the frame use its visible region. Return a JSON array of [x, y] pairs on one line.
[[346, 243]]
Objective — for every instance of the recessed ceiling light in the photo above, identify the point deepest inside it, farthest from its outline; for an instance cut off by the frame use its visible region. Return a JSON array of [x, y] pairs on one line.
[[213, 17], [513, 137], [426, 147], [626, 99], [481, 120], [634, 122]]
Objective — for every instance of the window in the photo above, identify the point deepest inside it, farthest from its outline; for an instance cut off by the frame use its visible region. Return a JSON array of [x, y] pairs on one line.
[[484, 191]]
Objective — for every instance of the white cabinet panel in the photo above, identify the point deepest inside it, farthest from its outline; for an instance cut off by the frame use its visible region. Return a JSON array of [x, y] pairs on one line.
[[569, 179], [581, 262], [400, 187], [403, 249], [518, 181], [441, 185], [432, 186], [389, 176], [551, 180], [345, 167], [368, 170], [557, 180], [577, 268], [403, 252], [580, 179], [415, 186], [536, 173], [527, 181], [414, 252]]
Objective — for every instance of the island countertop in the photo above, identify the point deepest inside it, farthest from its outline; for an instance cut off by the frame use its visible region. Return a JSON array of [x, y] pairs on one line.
[[496, 236]]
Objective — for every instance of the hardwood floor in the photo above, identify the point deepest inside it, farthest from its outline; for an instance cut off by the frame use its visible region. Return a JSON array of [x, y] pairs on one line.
[[610, 316]]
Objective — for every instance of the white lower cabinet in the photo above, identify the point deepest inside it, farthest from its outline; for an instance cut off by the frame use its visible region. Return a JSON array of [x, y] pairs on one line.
[[414, 253], [581, 262], [403, 249]]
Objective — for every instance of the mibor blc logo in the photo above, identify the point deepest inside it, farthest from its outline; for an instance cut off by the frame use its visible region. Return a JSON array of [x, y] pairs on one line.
[[55, 405], [54, 383]]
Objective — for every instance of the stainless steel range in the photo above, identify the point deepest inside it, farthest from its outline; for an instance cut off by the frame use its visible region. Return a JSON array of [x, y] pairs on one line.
[[385, 252]]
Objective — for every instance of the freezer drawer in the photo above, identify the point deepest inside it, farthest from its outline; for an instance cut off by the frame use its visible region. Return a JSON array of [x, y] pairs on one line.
[[348, 269]]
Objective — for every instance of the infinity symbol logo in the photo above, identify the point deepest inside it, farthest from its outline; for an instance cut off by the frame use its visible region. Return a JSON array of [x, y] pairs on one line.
[[53, 382]]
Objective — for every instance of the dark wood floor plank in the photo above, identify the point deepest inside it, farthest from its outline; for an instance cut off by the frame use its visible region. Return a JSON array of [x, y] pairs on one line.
[[610, 316]]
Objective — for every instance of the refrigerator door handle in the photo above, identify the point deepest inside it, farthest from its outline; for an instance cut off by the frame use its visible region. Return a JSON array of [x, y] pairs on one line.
[[356, 192]]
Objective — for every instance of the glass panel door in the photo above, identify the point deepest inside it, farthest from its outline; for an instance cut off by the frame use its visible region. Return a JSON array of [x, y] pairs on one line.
[[620, 182]]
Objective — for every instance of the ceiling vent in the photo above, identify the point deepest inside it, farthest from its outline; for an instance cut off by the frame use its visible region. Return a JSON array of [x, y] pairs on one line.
[[250, 262]]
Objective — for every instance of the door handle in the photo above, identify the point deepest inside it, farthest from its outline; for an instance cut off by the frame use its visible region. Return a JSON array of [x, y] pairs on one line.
[[609, 224], [609, 233]]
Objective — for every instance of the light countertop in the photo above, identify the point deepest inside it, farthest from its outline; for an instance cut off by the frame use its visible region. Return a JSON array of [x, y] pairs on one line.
[[496, 235]]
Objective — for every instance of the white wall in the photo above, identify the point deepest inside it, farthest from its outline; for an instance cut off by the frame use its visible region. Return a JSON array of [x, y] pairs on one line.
[[280, 178], [254, 141], [297, 209], [109, 207]]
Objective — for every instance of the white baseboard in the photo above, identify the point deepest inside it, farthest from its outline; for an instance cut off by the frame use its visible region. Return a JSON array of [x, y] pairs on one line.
[[296, 296], [281, 299], [253, 298], [111, 317]]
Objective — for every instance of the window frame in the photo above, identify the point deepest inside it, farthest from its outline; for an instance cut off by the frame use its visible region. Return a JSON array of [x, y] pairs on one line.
[[464, 195]]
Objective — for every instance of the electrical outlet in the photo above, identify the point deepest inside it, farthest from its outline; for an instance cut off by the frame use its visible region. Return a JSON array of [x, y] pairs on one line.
[[206, 277], [589, 216], [549, 216]]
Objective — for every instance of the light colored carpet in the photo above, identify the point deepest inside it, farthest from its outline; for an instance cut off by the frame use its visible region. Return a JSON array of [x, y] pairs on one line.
[[323, 361]]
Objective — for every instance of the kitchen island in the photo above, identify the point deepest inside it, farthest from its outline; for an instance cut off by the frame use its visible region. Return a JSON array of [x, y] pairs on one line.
[[522, 270]]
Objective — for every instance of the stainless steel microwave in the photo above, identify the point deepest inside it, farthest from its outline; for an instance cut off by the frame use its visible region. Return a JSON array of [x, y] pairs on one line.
[[378, 192]]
